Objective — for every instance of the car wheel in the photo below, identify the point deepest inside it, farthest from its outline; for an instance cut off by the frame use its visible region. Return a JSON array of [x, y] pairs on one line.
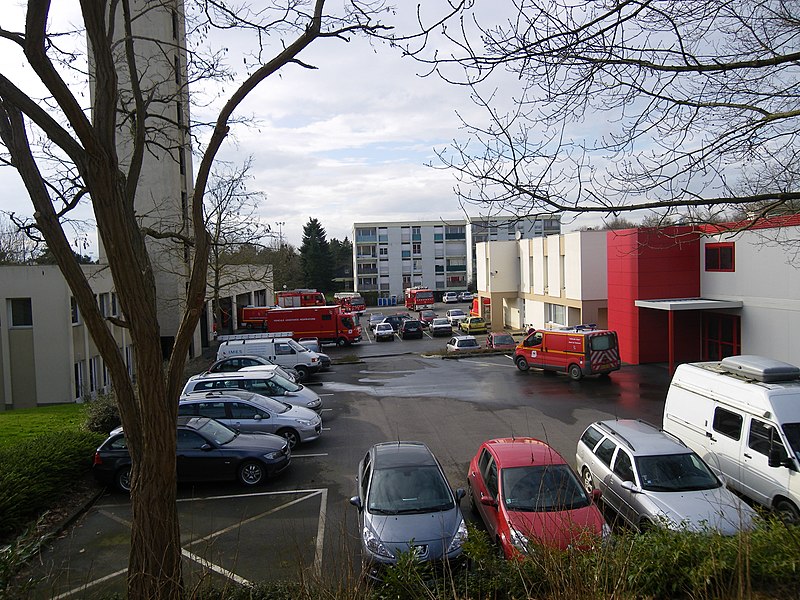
[[646, 525], [341, 342], [291, 436], [251, 472], [522, 364], [302, 372], [575, 372], [588, 481], [787, 511], [122, 479]]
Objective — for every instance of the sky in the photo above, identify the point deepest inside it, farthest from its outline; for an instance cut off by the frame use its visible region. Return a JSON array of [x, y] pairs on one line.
[[349, 141]]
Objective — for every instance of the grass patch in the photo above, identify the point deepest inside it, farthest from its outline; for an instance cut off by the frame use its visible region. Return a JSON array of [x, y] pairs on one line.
[[20, 425]]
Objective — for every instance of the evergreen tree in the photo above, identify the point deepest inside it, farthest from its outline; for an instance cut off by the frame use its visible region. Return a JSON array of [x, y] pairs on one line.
[[315, 257]]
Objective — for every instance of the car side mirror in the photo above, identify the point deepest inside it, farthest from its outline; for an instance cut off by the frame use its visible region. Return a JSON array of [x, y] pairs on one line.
[[489, 501], [356, 501], [460, 493], [257, 417], [631, 487], [596, 495], [777, 458], [206, 447]]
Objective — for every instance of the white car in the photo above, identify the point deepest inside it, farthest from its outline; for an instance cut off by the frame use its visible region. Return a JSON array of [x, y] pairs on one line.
[[463, 343], [450, 297], [455, 316], [465, 297], [384, 331]]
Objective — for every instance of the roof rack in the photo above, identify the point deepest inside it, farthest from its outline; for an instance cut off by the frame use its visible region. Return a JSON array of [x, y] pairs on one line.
[[254, 336], [582, 327]]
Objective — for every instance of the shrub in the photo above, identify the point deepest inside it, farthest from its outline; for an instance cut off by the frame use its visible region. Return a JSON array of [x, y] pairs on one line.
[[102, 413]]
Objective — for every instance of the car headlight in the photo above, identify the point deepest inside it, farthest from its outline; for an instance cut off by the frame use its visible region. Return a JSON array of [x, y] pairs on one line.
[[374, 544], [519, 541], [303, 422], [314, 403], [459, 538], [272, 455]]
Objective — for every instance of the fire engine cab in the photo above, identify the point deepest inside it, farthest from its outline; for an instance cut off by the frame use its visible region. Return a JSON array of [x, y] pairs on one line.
[[418, 298]]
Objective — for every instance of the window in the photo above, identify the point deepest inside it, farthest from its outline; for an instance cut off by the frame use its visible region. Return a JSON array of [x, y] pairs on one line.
[[21, 312], [590, 437], [102, 304], [605, 451], [721, 335], [78, 372], [283, 349], [240, 410], [720, 257], [73, 309], [623, 467], [416, 248], [189, 440], [114, 309], [763, 436], [490, 477], [93, 364], [212, 410], [727, 423]]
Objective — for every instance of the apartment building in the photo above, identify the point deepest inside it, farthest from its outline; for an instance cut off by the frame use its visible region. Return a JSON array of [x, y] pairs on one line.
[[390, 257]]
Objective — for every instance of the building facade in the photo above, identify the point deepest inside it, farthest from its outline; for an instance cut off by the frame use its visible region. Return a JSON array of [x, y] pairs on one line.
[[441, 255]]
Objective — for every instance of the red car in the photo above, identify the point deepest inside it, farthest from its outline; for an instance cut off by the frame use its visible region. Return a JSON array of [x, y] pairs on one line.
[[526, 493], [500, 341]]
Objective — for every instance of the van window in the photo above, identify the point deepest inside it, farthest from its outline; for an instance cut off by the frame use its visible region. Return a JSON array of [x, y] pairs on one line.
[[283, 349], [760, 435], [605, 451], [727, 423], [601, 342], [534, 339], [590, 437], [792, 433]]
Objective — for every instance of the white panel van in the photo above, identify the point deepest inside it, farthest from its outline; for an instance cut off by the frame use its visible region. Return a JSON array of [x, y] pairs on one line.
[[742, 416], [280, 351]]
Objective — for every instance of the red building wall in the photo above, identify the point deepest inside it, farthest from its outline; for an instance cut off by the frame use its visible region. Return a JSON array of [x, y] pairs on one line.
[[652, 264]]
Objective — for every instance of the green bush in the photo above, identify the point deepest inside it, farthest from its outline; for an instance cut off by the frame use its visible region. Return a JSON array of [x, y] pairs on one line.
[[35, 474], [102, 413]]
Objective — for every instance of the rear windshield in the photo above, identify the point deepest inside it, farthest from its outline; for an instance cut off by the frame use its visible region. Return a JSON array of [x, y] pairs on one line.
[[601, 342]]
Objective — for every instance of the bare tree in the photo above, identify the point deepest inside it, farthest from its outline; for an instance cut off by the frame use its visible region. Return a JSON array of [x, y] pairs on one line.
[[630, 105], [230, 212], [16, 248], [131, 118]]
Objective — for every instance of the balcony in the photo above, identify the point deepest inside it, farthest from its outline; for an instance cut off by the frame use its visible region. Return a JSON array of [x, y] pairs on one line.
[[456, 268], [366, 239], [364, 270]]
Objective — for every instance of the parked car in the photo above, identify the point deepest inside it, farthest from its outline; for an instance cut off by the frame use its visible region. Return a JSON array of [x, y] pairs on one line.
[[374, 319], [405, 503], [426, 316], [473, 325], [455, 316], [526, 493], [449, 297], [207, 451], [651, 479], [257, 380], [384, 331], [411, 329], [236, 363], [500, 341], [440, 326], [396, 320], [465, 296], [313, 344], [462, 343], [248, 413]]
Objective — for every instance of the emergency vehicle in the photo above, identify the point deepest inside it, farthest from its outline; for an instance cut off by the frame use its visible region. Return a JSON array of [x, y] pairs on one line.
[[350, 301], [418, 298], [481, 307], [299, 297], [576, 351], [253, 316], [328, 323]]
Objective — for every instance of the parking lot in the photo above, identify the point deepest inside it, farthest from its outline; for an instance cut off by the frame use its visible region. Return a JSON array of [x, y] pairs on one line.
[[303, 520]]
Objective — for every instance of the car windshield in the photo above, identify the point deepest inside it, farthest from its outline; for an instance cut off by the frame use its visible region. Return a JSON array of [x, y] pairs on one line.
[[503, 339], [217, 432], [281, 381], [348, 322], [675, 473], [272, 405], [542, 488], [407, 490], [792, 433]]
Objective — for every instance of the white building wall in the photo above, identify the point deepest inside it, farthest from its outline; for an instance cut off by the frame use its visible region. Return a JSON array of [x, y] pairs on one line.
[[768, 284], [555, 280], [537, 262]]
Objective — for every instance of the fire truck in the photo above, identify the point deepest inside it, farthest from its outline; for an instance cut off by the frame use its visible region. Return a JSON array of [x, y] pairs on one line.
[[418, 298], [350, 301], [299, 297], [328, 323], [577, 351], [481, 307]]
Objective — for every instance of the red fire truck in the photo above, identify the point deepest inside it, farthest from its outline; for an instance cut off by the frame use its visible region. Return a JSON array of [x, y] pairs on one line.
[[418, 298], [350, 301], [299, 297], [481, 307], [576, 351], [328, 323]]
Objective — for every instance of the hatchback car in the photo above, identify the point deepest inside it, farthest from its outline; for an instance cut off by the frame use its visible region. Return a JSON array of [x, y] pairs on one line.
[[441, 326], [426, 316], [473, 325], [651, 479], [455, 316], [449, 297], [406, 505], [465, 296], [207, 451], [500, 341], [250, 413], [236, 363], [462, 343], [411, 329], [384, 331], [261, 380], [526, 493]]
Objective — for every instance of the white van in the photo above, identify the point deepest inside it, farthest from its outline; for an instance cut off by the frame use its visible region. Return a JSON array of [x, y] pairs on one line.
[[283, 351], [742, 416]]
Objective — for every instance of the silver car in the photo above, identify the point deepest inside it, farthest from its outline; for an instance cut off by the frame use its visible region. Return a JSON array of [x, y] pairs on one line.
[[253, 413], [406, 505], [651, 479], [440, 326]]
